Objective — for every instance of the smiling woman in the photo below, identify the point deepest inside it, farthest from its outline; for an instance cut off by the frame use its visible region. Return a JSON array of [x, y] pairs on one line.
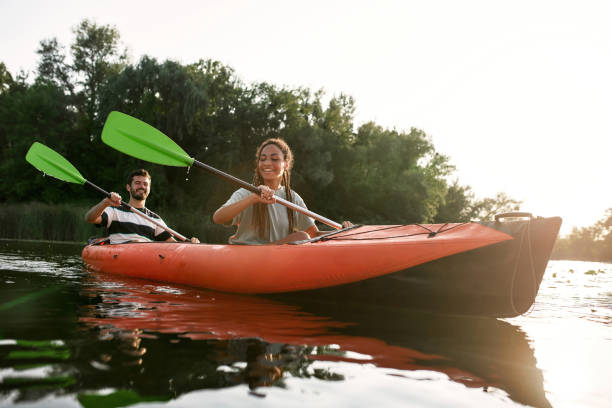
[[259, 218]]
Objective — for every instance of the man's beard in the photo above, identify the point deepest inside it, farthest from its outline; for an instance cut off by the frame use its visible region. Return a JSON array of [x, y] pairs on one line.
[[138, 194]]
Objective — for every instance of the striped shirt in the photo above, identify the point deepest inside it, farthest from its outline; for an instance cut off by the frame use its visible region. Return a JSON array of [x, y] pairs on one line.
[[123, 226]]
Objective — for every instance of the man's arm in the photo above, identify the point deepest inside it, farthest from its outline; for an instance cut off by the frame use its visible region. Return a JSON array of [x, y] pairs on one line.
[[94, 215]]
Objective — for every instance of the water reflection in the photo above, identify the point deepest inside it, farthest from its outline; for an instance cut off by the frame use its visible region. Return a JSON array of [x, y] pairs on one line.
[[68, 337], [570, 329], [167, 340]]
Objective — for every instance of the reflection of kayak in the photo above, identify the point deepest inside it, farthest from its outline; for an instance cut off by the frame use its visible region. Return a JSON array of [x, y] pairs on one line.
[[490, 269], [210, 315], [476, 352]]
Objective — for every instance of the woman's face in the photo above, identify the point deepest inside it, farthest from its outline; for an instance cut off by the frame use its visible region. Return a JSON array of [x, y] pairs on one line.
[[271, 165]]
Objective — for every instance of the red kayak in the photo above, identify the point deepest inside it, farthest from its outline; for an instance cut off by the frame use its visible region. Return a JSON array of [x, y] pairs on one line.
[[446, 267]]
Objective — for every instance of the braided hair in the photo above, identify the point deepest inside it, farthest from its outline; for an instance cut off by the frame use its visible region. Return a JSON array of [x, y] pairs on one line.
[[261, 218]]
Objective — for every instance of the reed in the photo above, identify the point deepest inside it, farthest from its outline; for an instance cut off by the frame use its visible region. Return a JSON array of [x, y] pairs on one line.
[[64, 222]]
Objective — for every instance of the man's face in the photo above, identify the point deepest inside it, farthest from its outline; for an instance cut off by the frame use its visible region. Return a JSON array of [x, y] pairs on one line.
[[140, 187]]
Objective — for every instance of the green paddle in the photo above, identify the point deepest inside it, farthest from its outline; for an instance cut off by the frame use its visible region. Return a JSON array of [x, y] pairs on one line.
[[141, 140], [52, 163]]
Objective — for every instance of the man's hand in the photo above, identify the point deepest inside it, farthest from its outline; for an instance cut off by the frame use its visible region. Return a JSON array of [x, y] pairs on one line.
[[114, 199]]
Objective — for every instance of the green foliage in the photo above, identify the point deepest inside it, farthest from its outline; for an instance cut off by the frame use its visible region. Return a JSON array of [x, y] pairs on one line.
[[368, 175], [398, 177], [27, 114], [459, 205], [52, 66], [6, 79], [488, 207], [96, 59], [120, 398], [592, 243]]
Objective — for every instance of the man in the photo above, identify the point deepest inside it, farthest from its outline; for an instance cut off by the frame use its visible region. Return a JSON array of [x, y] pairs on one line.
[[122, 224]]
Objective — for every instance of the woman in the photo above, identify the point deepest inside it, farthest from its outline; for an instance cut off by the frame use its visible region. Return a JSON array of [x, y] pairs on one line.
[[259, 219]]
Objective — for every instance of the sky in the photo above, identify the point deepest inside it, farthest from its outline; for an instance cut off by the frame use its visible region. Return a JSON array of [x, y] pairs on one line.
[[518, 94]]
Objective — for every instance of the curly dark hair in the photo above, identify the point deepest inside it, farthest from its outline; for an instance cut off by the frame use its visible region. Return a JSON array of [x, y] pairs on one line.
[[139, 172]]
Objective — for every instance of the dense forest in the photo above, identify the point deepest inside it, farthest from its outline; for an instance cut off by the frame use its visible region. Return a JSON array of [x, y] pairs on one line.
[[365, 173]]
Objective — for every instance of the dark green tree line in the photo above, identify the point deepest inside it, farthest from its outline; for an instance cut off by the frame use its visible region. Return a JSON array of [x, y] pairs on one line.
[[367, 174]]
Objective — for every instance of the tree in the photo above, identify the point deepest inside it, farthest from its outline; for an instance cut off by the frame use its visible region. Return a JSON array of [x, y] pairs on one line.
[[487, 208], [458, 205], [389, 177], [367, 174], [6, 79], [31, 113], [52, 65], [96, 58], [605, 226], [593, 243]]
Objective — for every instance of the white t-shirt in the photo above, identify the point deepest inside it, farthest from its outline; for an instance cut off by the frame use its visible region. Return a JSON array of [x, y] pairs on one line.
[[279, 222]]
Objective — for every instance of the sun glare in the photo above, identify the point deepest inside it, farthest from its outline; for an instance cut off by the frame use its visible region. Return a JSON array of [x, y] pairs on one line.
[[570, 363]]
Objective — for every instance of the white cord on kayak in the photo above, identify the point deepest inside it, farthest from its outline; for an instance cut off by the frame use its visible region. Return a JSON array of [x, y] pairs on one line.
[[526, 231]]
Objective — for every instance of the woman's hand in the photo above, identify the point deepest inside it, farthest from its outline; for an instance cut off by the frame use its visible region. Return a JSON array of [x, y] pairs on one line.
[[346, 224], [266, 195]]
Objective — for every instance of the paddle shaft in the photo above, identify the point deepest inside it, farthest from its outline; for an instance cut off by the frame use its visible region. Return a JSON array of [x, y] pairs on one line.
[[256, 190], [140, 213]]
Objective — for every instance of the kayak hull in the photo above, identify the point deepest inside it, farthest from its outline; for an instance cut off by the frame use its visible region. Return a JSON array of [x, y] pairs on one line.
[[498, 280], [449, 268]]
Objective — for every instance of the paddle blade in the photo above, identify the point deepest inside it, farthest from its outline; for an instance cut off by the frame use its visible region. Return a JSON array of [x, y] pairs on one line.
[[52, 163], [141, 140]]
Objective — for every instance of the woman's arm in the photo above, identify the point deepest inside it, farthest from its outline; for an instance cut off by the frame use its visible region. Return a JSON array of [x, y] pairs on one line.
[[226, 214]]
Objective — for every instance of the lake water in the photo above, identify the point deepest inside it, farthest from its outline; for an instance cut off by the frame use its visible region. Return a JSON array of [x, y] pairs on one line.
[[70, 338]]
